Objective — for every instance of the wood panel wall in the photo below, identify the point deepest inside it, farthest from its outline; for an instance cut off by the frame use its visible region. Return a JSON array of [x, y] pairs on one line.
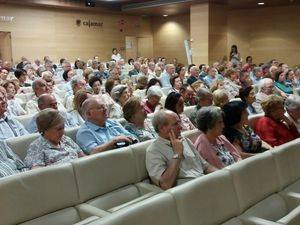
[[168, 36], [200, 33], [37, 32], [266, 33]]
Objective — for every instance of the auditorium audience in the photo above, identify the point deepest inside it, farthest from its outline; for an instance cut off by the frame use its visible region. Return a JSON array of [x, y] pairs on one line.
[[10, 163], [265, 88], [167, 75], [9, 126], [211, 144], [292, 106], [280, 82], [14, 107], [176, 84], [170, 159], [137, 122], [98, 133], [238, 132], [52, 147], [204, 98], [175, 103], [247, 95], [120, 94], [152, 104], [231, 83], [220, 97], [275, 128]]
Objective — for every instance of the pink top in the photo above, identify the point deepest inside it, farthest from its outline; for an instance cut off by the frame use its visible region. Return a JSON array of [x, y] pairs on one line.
[[205, 149]]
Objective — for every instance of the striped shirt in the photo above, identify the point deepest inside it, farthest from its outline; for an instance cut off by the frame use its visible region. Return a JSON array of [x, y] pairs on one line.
[[10, 163]]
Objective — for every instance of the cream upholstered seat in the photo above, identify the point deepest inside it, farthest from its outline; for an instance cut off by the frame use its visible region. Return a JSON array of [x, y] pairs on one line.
[[207, 200], [110, 181], [19, 145], [71, 132], [257, 183], [24, 120], [287, 158], [159, 210], [188, 110], [191, 134], [40, 197]]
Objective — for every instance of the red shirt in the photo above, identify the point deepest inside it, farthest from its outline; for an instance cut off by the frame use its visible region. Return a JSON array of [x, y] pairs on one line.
[[273, 132]]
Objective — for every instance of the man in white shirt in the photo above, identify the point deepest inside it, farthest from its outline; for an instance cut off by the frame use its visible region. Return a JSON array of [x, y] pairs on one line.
[[171, 159]]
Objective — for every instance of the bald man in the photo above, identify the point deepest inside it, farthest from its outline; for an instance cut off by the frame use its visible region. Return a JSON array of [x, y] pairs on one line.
[[99, 133]]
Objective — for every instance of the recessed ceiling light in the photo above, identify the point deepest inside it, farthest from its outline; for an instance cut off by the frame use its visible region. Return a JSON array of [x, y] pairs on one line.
[[165, 15], [260, 3]]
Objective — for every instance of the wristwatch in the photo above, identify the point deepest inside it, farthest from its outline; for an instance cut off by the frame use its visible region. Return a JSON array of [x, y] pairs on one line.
[[176, 156]]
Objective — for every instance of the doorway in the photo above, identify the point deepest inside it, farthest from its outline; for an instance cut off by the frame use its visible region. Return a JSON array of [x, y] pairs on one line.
[[5, 46], [138, 46]]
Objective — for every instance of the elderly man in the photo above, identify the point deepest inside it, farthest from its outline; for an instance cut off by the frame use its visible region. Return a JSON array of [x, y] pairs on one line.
[[136, 69], [46, 101], [39, 87], [9, 127], [204, 98], [10, 163], [166, 75], [292, 106], [170, 159], [99, 133], [266, 88], [194, 75], [76, 84]]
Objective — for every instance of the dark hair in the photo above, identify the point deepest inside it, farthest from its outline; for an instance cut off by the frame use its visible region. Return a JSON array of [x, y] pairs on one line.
[[114, 49], [248, 57], [109, 84], [190, 66], [172, 80], [233, 112], [130, 60], [201, 66], [152, 82], [61, 60], [19, 73], [178, 69], [65, 75], [75, 64], [93, 79], [244, 93], [172, 100], [277, 74]]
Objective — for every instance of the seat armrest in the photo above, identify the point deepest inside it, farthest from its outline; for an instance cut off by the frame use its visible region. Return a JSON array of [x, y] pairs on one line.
[[293, 218], [257, 221], [145, 188], [87, 220], [86, 210], [292, 199]]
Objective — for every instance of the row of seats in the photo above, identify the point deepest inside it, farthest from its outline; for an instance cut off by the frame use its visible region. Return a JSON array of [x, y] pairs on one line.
[[78, 192], [261, 190]]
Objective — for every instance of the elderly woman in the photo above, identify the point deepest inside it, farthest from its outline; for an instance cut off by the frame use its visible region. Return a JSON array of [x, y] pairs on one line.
[[211, 144], [175, 103], [238, 132], [275, 128], [137, 122], [13, 106], [231, 83], [120, 94], [52, 147], [247, 95], [76, 113], [151, 104], [220, 97], [176, 83]]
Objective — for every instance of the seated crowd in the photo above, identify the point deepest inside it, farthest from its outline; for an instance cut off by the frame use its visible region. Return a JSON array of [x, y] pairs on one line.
[[239, 109]]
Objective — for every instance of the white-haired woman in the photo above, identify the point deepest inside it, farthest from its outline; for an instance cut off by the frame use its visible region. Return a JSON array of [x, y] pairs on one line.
[[52, 147]]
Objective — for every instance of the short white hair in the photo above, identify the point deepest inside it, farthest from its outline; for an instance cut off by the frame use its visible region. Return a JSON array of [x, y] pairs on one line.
[[154, 91], [263, 82]]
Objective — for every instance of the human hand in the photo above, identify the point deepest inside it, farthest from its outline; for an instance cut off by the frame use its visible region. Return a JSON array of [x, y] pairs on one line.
[[176, 144]]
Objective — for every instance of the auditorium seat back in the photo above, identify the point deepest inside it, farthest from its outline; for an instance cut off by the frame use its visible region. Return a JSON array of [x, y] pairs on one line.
[[208, 200], [39, 192]]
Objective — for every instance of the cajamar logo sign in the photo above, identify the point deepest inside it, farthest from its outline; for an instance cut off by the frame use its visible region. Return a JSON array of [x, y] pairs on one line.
[[88, 23]]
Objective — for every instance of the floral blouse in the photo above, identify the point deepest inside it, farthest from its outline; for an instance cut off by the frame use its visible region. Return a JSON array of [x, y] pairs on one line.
[[42, 153], [249, 141], [223, 154]]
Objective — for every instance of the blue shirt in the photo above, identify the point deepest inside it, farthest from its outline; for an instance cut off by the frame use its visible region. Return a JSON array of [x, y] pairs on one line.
[[10, 127], [90, 135], [165, 80]]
